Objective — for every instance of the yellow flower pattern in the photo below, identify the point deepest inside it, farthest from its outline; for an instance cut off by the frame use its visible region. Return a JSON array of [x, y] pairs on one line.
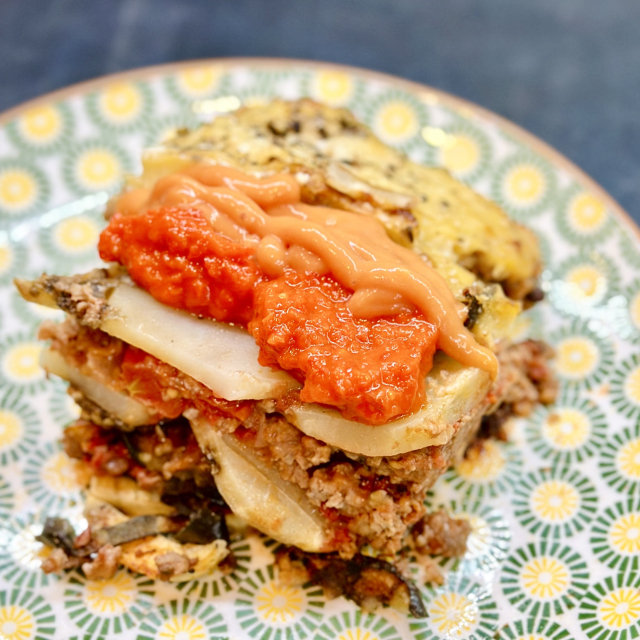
[[576, 357], [555, 501], [76, 234], [629, 459], [482, 464], [587, 212], [184, 627], [624, 534], [16, 623], [632, 385], [396, 122], [453, 615], [21, 362], [121, 102], [199, 81], [10, 428], [332, 87], [357, 634], [18, 189], [544, 578], [41, 124], [525, 184], [620, 609], [586, 283], [98, 168], [113, 596], [278, 603], [566, 428], [461, 155], [62, 475], [6, 256]]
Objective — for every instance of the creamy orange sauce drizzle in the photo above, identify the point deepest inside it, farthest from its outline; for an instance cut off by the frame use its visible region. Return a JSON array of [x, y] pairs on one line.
[[266, 213]]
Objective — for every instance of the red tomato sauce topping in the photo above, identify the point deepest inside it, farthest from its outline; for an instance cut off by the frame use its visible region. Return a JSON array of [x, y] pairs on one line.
[[176, 256], [371, 370]]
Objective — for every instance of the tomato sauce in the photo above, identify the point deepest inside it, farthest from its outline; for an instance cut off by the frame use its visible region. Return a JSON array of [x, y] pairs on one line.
[[175, 255], [368, 369], [372, 370]]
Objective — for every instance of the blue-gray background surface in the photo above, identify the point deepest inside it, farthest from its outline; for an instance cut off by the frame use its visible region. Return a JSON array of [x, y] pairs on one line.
[[566, 70]]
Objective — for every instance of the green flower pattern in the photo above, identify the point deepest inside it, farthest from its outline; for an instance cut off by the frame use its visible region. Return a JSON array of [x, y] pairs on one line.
[[121, 107], [544, 579], [7, 498], [611, 608], [24, 188], [584, 283], [25, 614], [265, 608], [21, 554], [584, 354], [620, 460], [95, 165], [495, 472], [107, 608], [555, 502], [538, 628], [19, 430], [615, 536], [583, 219], [524, 184], [183, 619], [42, 130], [466, 150], [458, 609], [352, 624], [571, 501], [572, 430]]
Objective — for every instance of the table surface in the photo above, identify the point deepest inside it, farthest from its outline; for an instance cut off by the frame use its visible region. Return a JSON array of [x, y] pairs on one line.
[[567, 71]]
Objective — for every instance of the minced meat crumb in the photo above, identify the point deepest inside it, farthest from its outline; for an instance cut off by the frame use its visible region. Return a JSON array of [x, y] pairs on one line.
[[439, 534], [105, 564]]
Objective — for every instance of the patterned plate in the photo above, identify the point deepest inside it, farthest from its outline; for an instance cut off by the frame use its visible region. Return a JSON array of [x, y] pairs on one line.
[[555, 513]]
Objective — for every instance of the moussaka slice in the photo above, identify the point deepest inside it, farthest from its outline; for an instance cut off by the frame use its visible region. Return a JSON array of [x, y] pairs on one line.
[[300, 327]]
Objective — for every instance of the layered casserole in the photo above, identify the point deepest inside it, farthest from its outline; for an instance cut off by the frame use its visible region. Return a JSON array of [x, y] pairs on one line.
[[296, 325]]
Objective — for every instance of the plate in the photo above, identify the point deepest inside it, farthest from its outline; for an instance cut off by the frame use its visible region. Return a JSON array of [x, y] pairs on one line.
[[555, 513]]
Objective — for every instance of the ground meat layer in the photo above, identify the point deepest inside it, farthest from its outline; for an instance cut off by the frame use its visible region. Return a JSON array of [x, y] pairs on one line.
[[165, 460], [366, 500]]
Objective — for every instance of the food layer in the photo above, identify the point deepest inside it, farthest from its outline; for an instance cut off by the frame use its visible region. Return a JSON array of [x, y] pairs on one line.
[[329, 498], [304, 329]]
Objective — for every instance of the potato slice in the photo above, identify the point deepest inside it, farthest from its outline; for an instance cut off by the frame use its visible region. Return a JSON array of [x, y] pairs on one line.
[[452, 392], [125, 494], [258, 494], [222, 357], [121, 406]]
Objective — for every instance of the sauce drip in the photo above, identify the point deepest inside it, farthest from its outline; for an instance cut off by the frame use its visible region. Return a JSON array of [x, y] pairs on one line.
[[266, 216]]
